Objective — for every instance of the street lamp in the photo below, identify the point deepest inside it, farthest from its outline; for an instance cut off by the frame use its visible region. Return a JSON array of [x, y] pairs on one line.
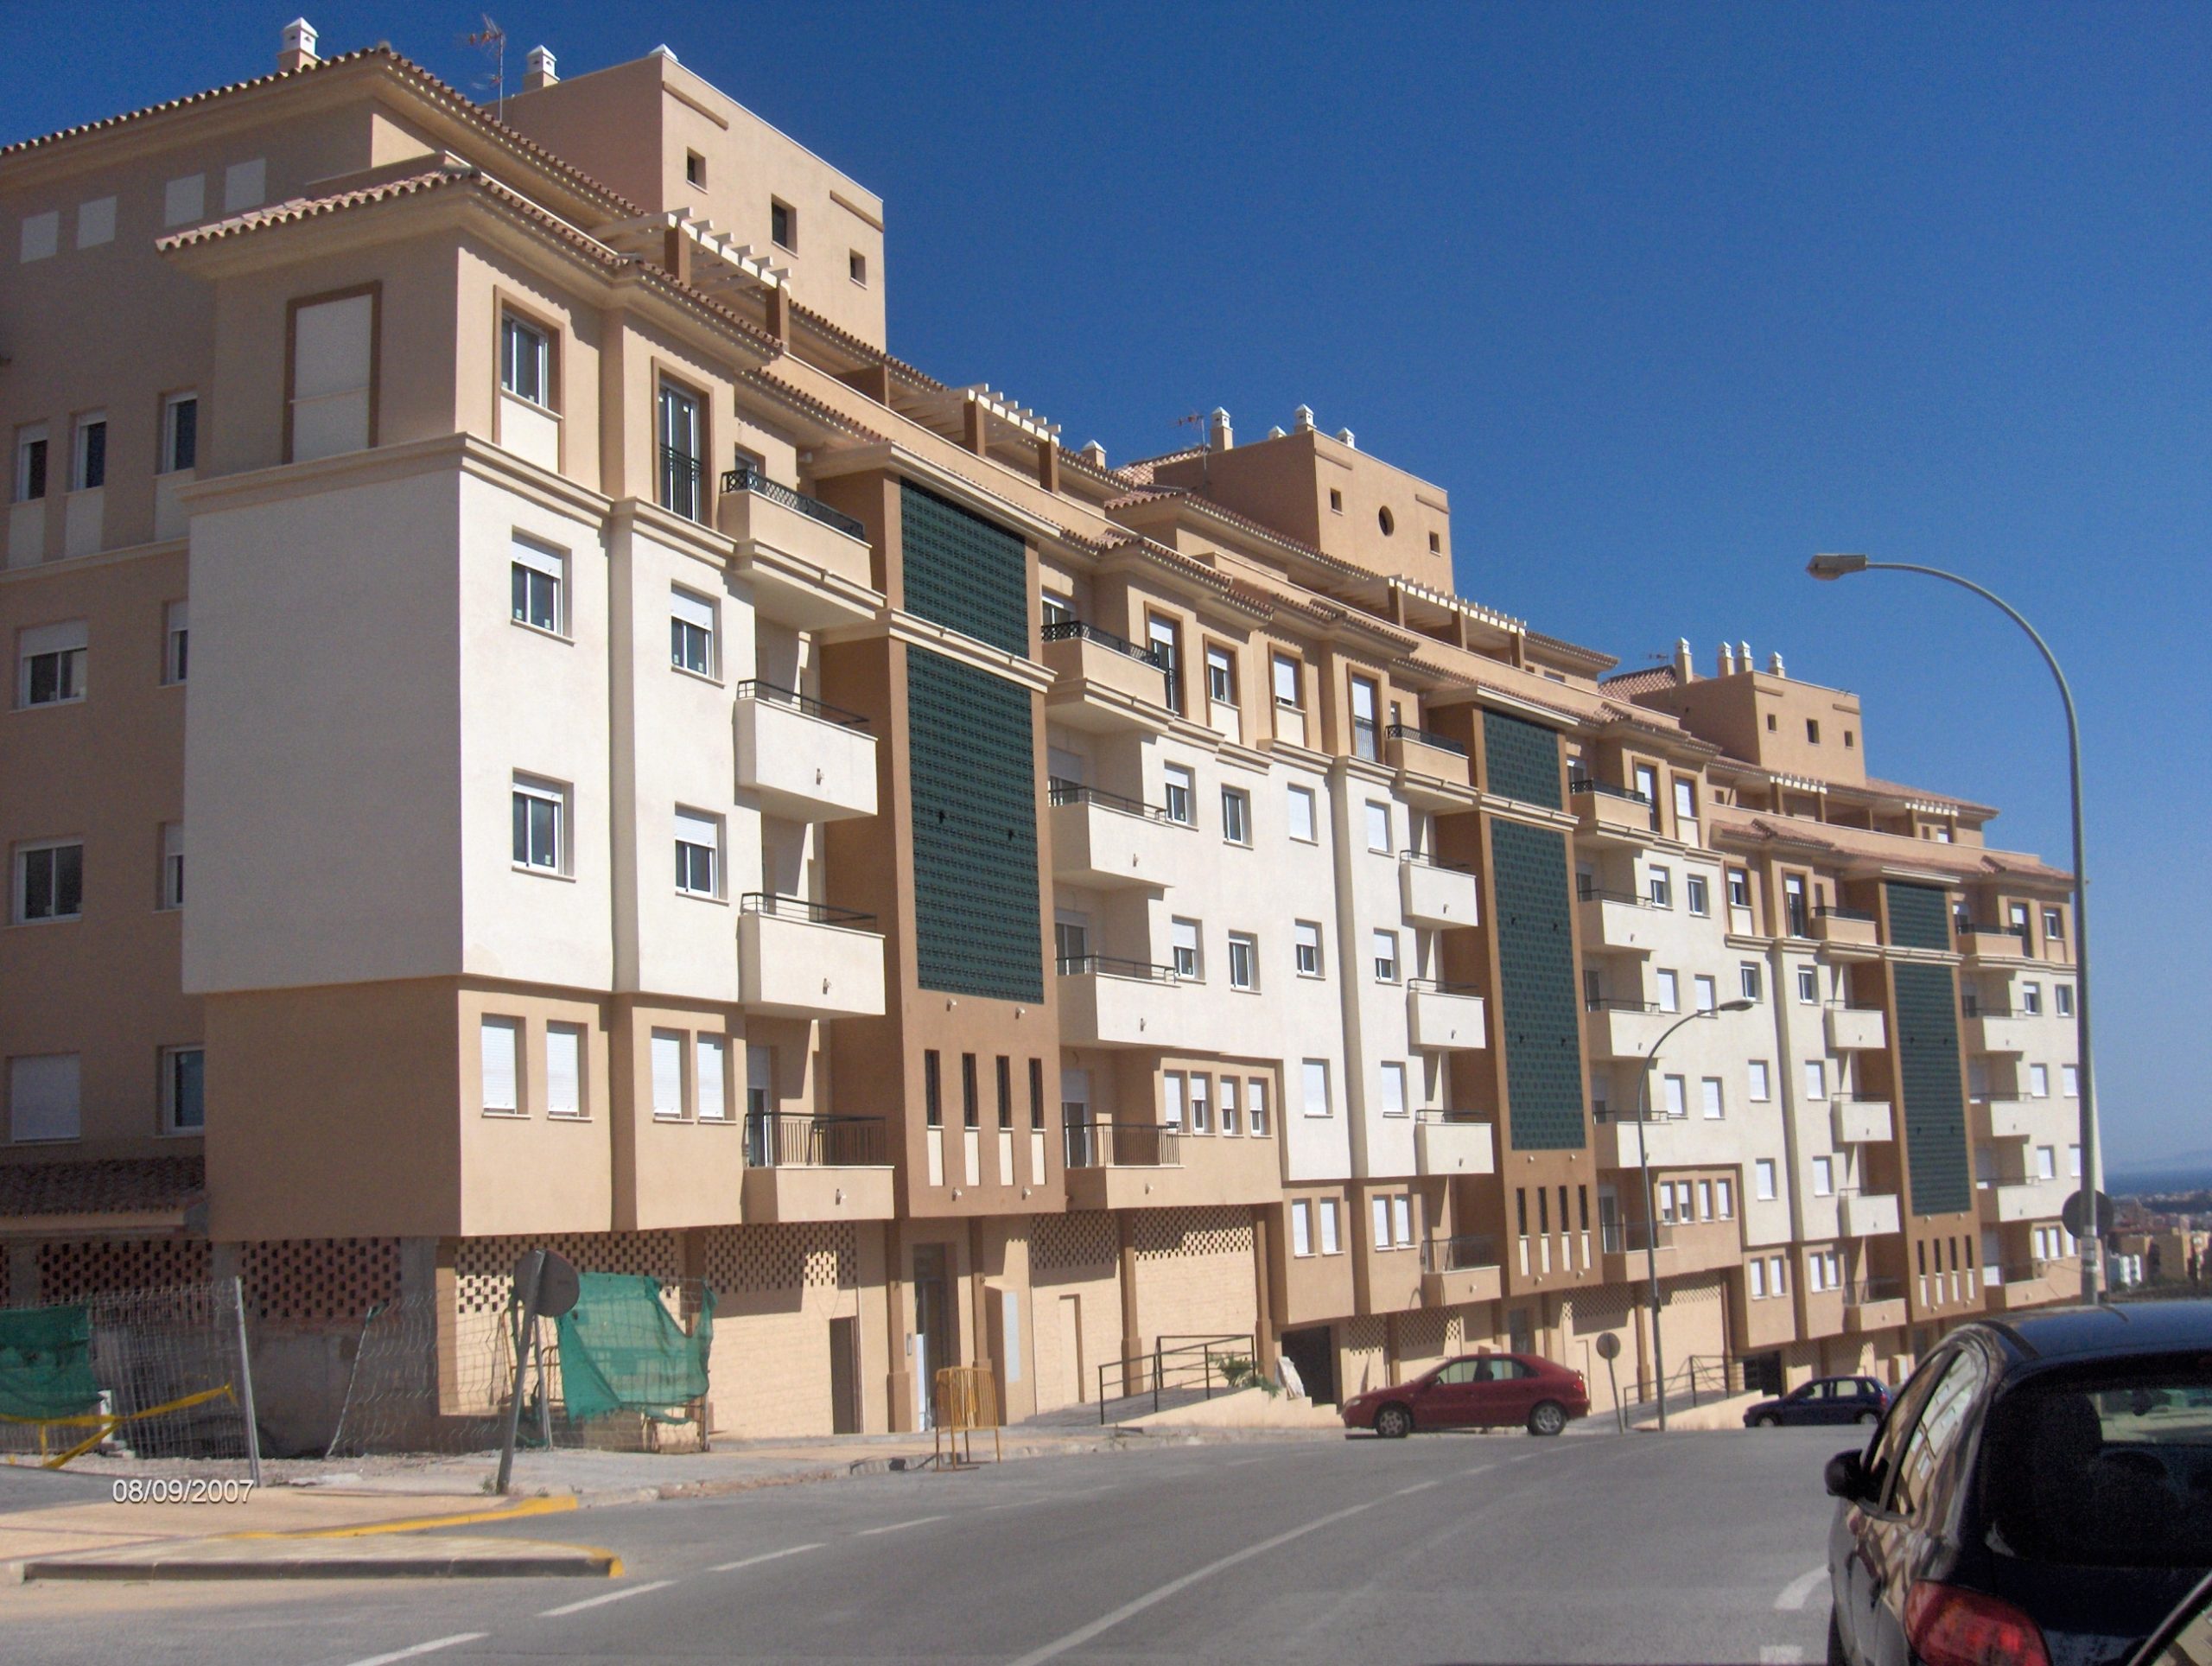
[[1832, 567], [1644, 1162]]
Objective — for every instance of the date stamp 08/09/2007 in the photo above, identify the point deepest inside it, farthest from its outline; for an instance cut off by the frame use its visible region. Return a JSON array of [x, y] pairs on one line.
[[180, 1490]]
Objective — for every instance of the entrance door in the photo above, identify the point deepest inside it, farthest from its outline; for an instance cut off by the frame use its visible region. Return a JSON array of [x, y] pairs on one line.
[[935, 1343], [844, 1377], [1520, 1334], [1073, 1386], [1312, 1355], [1075, 1118]]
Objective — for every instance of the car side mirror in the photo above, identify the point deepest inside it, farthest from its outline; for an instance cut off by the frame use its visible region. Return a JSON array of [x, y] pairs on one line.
[[1846, 1477]]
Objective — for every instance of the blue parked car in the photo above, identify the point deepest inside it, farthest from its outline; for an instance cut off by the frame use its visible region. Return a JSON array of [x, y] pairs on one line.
[[1823, 1400]]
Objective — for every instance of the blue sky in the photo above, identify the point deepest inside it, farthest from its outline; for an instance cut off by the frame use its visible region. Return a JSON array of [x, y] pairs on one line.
[[1667, 299]]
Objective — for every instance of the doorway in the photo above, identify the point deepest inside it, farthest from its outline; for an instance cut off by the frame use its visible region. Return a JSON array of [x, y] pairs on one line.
[[1071, 1387], [936, 1341], [844, 1377], [1520, 1333], [1312, 1355]]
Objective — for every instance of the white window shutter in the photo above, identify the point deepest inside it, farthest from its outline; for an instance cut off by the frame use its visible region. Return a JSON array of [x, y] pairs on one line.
[[43, 1097], [713, 1055], [692, 609], [668, 1073], [1379, 1209], [331, 350], [499, 1037], [563, 1069], [537, 557]]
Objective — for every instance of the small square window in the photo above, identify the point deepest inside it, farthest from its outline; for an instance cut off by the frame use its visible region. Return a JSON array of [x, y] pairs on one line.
[[695, 169], [30, 463], [1386, 957], [1378, 826], [180, 433], [857, 267], [1694, 893], [1336, 501], [1307, 937], [184, 1107], [51, 661], [783, 224], [541, 830], [1176, 783], [691, 632], [50, 881], [88, 458], [526, 360], [537, 582], [500, 1049], [1813, 730], [1244, 961], [1435, 543], [698, 853], [1235, 816], [1300, 806]]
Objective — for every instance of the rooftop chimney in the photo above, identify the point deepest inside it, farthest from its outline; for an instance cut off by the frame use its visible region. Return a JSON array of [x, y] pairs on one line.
[[539, 71], [1219, 435], [298, 51], [1727, 660], [1743, 656], [1302, 419], [1275, 433], [1774, 665], [1684, 672], [1095, 455]]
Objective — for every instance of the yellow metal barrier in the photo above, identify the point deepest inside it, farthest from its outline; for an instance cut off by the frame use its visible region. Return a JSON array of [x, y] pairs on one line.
[[962, 1399], [105, 1423]]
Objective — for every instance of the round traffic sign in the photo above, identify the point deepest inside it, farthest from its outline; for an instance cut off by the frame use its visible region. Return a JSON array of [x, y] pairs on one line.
[[2076, 1211], [1608, 1345]]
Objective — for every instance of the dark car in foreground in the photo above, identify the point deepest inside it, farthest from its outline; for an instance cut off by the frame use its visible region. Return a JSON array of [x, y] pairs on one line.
[[1823, 1400], [2040, 1493], [1483, 1390]]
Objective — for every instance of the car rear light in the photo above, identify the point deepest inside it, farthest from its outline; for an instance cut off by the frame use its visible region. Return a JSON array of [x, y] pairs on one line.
[[1948, 1626]]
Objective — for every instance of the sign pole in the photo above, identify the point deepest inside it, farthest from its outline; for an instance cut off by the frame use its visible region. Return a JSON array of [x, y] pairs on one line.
[[528, 1276]]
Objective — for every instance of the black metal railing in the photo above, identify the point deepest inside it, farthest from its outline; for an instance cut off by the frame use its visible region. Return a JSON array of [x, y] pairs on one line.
[[680, 474], [1605, 1003], [1621, 1237], [754, 688], [818, 914], [1969, 927], [1437, 986], [1106, 1144], [1427, 859], [1976, 1009], [1631, 1114], [1060, 791], [1113, 966], [1425, 738], [1434, 1114], [1178, 1363], [1607, 790], [1466, 1253], [745, 478], [787, 1140], [1068, 630], [1588, 890], [2024, 1272], [1868, 1291], [1826, 911]]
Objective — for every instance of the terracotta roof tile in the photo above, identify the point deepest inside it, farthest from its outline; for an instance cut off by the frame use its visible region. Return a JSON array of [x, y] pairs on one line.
[[1140, 473], [112, 1187], [1629, 684]]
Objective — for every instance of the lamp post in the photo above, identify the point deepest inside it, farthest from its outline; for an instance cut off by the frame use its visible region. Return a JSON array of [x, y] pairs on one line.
[[1832, 567], [1643, 1163]]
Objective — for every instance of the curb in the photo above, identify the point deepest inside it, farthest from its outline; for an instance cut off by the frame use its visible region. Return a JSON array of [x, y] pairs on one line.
[[547, 1561]]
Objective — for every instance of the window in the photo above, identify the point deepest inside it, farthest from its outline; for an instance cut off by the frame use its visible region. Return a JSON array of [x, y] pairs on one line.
[[564, 1070], [1183, 934], [30, 463], [2074, 1161], [541, 833], [50, 881], [1336, 501], [2046, 1162], [1694, 894], [245, 184], [41, 234], [1707, 995], [1300, 803], [1755, 1270], [500, 1042], [1647, 788], [691, 632], [1235, 816], [2061, 995], [680, 451], [184, 1105], [43, 1097], [1816, 1078], [1748, 983], [1392, 1098], [1824, 1177], [711, 1066], [1760, 1087], [1379, 1212], [1176, 783], [1709, 1097], [1284, 670], [88, 456], [1317, 1087], [536, 581], [1670, 991], [1813, 730], [2054, 924], [1705, 1201], [1849, 739], [1659, 888], [184, 200], [331, 408], [1036, 1095], [1763, 1179], [2069, 1081], [1739, 889], [1366, 734], [1378, 826], [1244, 961], [1808, 987], [667, 1055], [1259, 1105], [698, 854], [1386, 957], [857, 267], [1674, 1095], [180, 433], [2031, 999], [971, 1110], [783, 224], [1402, 1220], [695, 169], [1776, 1280], [171, 890], [51, 664], [1307, 947], [1165, 639], [1329, 1244], [1724, 1199], [1435, 543], [2038, 1081], [176, 641], [1666, 1198], [933, 1088], [526, 360], [1301, 1227], [1221, 678], [1229, 1106], [1685, 808]]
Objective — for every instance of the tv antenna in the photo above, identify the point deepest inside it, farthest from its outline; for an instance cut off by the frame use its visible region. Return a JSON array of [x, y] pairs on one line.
[[492, 39]]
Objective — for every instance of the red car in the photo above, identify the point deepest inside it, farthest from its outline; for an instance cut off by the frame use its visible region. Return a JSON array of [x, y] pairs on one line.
[[1483, 1391]]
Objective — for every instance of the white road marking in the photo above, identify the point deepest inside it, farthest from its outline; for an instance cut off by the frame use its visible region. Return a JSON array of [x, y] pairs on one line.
[[1479, 1469], [766, 1555], [1106, 1623], [1780, 1654], [1417, 1486], [896, 1527], [431, 1647], [611, 1596], [1799, 1591]]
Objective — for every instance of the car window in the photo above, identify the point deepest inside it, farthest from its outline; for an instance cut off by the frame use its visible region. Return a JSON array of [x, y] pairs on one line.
[[1458, 1373], [1515, 1368], [2191, 1642], [1928, 1462], [1869, 1388], [1882, 1451], [1820, 1390]]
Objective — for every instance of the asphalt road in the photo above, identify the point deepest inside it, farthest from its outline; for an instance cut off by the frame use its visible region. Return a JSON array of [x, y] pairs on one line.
[[1692, 1547]]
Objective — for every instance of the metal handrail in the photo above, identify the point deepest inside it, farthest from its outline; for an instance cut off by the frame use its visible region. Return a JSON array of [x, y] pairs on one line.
[[1424, 737], [680, 465], [1426, 859], [754, 688], [1868, 1291], [1104, 1143], [745, 478], [1590, 891], [1437, 986], [1440, 1114], [1976, 1009], [1967, 927], [1606, 790], [820, 913], [1605, 1003], [797, 1140], [1465, 1253], [1058, 790], [2025, 1273], [1213, 1353], [1826, 911], [1114, 966], [1619, 1237], [1075, 629]]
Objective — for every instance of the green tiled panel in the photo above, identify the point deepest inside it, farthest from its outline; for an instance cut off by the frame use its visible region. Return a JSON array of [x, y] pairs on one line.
[[961, 570], [1536, 1007], [1522, 759], [1934, 1096], [977, 928], [1919, 916]]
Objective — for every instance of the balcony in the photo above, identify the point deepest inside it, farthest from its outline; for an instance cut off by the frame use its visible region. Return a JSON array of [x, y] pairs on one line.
[[1627, 1141], [1862, 1122], [1100, 681], [816, 1168], [2033, 1284], [1987, 1029], [1435, 893], [2026, 1200], [1625, 1248], [2004, 1119], [1847, 927], [1432, 771], [807, 760], [1856, 1029], [1874, 1304], [1459, 1269], [1454, 1142], [1978, 942], [1442, 1015], [808, 565], [802, 959], [1624, 1029], [1602, 808], [1615, 919], [1867, 1214], [1103, 839], [1110, 1002], [1113, 1165]]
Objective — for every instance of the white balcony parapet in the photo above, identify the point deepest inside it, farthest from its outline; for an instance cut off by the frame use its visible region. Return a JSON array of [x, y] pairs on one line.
[[1446, 1143], [1109, 1002], [807, 760], [1867, 1214], [1856, 1029], [1443, 1015], [801, 959], [1433, 894], [1103, 839], [1862, 1122]]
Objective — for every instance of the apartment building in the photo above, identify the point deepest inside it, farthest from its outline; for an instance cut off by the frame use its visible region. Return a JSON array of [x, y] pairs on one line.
[[661, 776]]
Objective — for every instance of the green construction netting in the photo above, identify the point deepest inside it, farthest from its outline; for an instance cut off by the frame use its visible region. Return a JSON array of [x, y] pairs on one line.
[[621, 1350], [46, 1362]]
